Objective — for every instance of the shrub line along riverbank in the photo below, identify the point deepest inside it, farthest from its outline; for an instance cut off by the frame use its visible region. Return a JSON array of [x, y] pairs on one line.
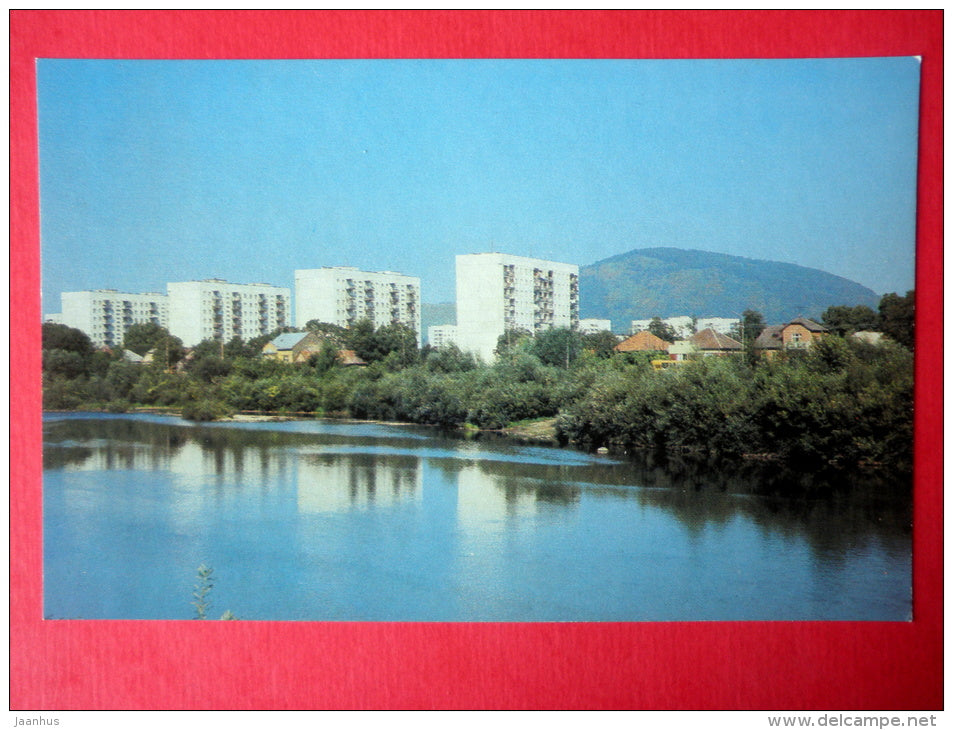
[[841, 401]]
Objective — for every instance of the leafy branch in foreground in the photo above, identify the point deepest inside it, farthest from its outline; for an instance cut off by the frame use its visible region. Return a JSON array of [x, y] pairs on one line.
[[201, 593]]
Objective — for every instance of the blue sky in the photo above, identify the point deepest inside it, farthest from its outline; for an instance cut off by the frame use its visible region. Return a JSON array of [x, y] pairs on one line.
[[158, 171]]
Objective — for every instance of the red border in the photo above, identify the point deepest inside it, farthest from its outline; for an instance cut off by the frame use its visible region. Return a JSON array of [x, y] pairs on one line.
[[221, 665]]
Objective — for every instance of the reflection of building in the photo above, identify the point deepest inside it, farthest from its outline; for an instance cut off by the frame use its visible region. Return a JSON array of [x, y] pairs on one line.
[[484, 497], [341, 482], [106, 314], [344, 295], [497, 292], [213, 309]]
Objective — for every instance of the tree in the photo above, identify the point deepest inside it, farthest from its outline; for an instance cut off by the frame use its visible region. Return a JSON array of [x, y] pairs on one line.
[[746, 331], [450, 359], [661, 330], [897, 317], [67, 351], [374, 345], [513, 340], [558, 346], [843, 320], [602, 344], [335, 333], [325, 358], [141, 338]]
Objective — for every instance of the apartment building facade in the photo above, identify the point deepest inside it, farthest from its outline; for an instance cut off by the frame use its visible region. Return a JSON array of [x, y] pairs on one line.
[[344, 295], [497, 292], [442, 335], [214, 309], [106, 314]]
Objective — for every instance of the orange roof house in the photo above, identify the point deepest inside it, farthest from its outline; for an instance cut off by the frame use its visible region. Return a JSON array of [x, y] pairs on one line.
[[643, 341], [710, 342]]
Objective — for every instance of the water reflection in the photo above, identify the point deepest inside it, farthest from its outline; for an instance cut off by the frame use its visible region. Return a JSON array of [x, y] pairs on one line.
[[331, 473], [478, 529]]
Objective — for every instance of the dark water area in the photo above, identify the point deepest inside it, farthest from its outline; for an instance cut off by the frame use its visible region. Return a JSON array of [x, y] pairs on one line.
[[329, 520]]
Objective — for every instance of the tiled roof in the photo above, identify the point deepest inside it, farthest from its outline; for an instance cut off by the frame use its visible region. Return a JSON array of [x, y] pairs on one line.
[[808, 324], [770, 338], [711, 340], [643, 341], [288, 340]]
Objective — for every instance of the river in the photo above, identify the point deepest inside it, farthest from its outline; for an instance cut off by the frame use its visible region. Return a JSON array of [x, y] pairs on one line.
[[322, 520]]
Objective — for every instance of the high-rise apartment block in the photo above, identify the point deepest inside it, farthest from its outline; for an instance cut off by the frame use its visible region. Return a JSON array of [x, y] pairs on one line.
[[344, 295], [497, 292], [442, 335], [213, 309], [106, 314], [592, 326]]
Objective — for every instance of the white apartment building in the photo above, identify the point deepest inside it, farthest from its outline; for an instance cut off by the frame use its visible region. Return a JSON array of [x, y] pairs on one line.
[[496, 292], [105, 314], [592, 326], [686, 326], [441, 335], [214, 309], [343, 295], [722, 325]]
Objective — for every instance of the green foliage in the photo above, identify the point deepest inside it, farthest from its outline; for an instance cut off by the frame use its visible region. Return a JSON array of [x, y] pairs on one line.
[[839, 401], [449, 359], [395, 340], [209, 368], [513, 340], [65, 363], [601, 344], [70, 339], [205, 410], [843, 320], [141, 338], [557, 346], [661, 330], [201, 594], [332, 333], [897, 318], [325, 359], [201, 591]]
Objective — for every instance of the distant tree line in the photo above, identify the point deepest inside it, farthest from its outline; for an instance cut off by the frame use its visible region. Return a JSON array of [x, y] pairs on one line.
[[841, 401]]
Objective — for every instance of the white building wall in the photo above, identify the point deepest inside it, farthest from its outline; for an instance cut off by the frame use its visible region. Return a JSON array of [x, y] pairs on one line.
[[344, 295], [440, 335], [496, 292], [592, 326], [683, 325], [106, 314], [214, 309], [719, 324]]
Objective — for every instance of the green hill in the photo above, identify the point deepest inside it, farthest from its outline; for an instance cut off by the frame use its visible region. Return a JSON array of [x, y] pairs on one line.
[[668, 282]]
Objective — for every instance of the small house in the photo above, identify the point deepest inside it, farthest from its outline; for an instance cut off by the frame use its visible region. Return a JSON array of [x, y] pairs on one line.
[[709, 343], [800, 333], [643, 341], [293, 346]]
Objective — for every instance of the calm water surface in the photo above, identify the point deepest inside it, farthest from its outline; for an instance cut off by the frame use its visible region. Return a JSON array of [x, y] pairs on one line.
[[325, 520]]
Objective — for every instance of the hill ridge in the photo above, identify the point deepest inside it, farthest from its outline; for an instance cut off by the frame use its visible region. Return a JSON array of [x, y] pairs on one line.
[[668, 281]]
